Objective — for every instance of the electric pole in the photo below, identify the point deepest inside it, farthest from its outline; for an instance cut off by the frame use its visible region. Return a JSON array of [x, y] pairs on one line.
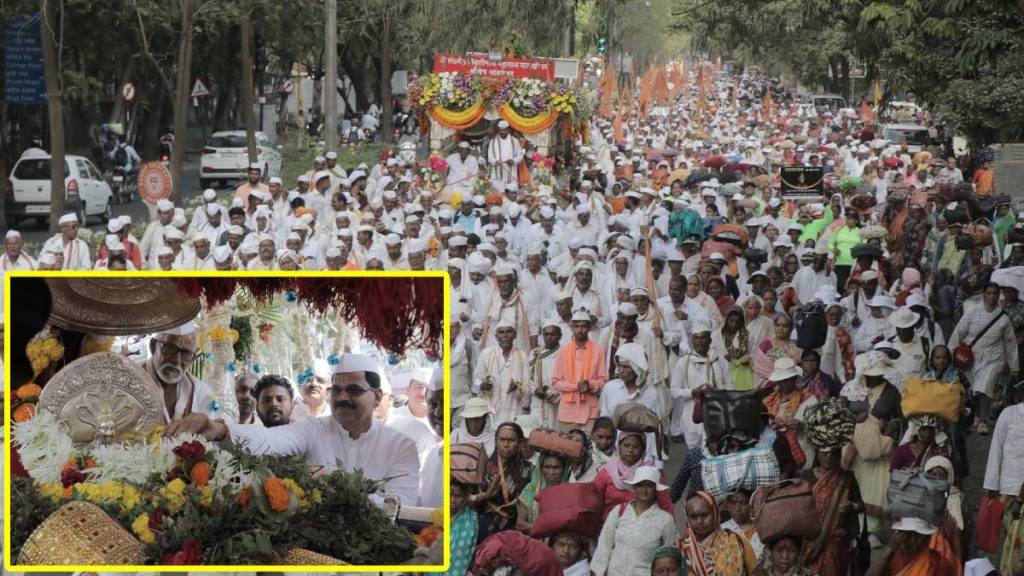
[[330, 90]]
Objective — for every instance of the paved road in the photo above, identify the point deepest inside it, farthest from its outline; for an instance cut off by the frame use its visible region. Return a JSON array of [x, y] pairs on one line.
[[33, 231]]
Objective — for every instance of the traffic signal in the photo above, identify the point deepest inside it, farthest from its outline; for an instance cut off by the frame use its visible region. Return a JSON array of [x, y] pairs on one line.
[[259, 50], [602, 45]]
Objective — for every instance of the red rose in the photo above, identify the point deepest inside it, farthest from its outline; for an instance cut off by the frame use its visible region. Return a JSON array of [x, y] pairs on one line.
[[157, 519], [193, 449], [71, 476], [191, 554]]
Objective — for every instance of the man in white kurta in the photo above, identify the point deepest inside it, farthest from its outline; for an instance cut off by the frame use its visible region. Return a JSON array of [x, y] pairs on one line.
[[809, 279], [432, 472], [544, 404], [76, 251], [502, 377], [171, 352], [462, 169], [351, 439], [700, 368], [153, 238], [507, 303], [504, 155], [15, 257]]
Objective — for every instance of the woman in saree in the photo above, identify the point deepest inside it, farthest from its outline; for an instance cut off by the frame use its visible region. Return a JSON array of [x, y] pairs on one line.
[[612, 480], [733, 342], [759, 327], [909, 554], [838, 353], [709, 549], [923, 439], [837, 500], [695, 292], [554, 470], [464, 529], [956, 530], [716, 290], [583, 469], [787, 407], [506, 475], [780, 345], [941, 368]]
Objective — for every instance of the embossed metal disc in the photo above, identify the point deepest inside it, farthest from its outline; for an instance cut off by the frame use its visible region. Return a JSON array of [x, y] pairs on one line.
[[119, 306], [104, 386]]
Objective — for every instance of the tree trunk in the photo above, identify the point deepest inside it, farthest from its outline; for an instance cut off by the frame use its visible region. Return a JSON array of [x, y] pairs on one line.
[[357, 76], [181, 101], [245, 55], [151, 124], [385, 78], [117, 113], [331, 80], [56, 111], [844, 78]]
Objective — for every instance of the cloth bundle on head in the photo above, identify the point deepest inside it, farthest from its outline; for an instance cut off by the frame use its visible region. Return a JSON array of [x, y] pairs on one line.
[[830, 424], [634, 355]]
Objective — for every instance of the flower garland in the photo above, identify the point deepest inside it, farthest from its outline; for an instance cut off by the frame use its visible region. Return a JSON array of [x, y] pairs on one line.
[[43, 350]]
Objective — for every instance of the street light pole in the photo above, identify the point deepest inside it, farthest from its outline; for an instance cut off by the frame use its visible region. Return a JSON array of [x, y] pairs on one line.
[[330, 90]]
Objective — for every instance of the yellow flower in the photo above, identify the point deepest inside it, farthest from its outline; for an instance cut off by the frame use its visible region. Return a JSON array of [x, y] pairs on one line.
[[141, 528], [300, 494], [176, 486], [173, 495], [52, 490], [316, 496], [206, 496], [154, 436]]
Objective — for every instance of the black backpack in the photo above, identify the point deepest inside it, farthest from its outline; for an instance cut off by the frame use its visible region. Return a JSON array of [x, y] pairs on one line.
[[121, 156], [811, 327]]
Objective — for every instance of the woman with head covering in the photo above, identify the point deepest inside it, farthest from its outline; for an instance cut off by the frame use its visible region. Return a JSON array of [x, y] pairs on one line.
[[710, 550], [787, 407], [634, 530], [908, 553], [612, 480], [923, 439], [476, 425], [463, 529], [759, 327], [837, 500], [514, 549], [695, 292], [668, 561], [780, 345], [716, 290], [554, 470], [733, 342], [582, 469], [910, 280], [953, 529], [505, 476]]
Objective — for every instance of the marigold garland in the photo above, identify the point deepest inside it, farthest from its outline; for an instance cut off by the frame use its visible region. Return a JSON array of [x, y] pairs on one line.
[[277, 494], [528, 125], [200, 473], [458, 120], [24, 413]]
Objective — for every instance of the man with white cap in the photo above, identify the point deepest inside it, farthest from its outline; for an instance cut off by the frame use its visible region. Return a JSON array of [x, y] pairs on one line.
[[319, 191], [215, 220], [337, 172], [501, 375], [914, 348], [702, 368], [351, 438], [171, 353], [507, 304], [76, 251], [584, 227], [579, 375], [544, 404], [504, 153], [585, 296], [113, 248], [252, 183], [809, 279], [153, 238], [394, 258], [462, 169], [462, 359], [15, 257], [629, 384], [199, 216], [625, 330], [223, 258], [200, 257], [873, 328], [122, 230]]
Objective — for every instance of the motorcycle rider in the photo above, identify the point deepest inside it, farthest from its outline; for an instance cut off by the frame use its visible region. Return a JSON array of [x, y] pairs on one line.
[[123, 157]]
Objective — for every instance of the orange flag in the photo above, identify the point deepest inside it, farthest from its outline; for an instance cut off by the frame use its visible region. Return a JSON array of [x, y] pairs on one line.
[[608, 85], [866, 113], [736, 94], [766, 103], [620, 135]]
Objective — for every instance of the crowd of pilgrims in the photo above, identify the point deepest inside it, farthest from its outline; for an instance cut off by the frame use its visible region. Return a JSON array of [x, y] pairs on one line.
[[814, 369]]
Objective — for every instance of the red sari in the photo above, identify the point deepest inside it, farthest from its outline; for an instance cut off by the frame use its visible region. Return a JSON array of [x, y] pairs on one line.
[[830, 552]]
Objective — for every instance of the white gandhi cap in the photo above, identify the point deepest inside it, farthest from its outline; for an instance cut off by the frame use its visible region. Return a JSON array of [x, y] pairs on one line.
[[356, 363]]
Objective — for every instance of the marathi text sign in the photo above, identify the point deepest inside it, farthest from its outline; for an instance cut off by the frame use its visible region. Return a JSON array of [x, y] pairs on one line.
[[803, 182], [507, 67], [23, 62]]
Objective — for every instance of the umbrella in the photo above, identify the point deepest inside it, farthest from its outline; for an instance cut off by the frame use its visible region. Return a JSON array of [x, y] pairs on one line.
[[787, 145], [737, 166], [716, 161], [697, 178]]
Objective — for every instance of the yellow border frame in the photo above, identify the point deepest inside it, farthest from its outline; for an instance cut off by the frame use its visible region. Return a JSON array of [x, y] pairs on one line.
[[244, 568]]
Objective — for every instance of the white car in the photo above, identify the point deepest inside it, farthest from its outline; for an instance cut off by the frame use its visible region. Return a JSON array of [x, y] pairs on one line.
[[915, 135], [226, 158], [28, 189]]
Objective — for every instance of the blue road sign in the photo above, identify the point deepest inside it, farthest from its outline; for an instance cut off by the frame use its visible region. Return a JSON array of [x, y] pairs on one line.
[[24, 82]]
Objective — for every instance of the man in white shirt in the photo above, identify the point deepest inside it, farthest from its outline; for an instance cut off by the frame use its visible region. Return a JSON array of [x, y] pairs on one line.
[[808, 279], [544, 404], [432, 471], [76, 251], [462, 169], [504, 155], [15, 258], [351, 437], [153, 238], [950, 173], [171, 353]]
